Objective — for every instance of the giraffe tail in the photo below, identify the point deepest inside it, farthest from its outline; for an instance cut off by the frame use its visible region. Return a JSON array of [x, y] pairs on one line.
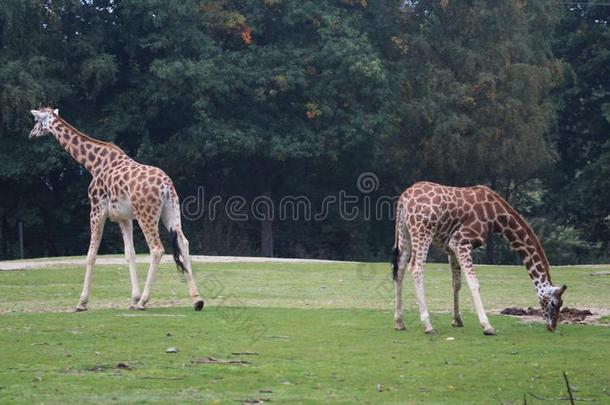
[[396, 249], [405, 242], [395, 257], [177, 251]]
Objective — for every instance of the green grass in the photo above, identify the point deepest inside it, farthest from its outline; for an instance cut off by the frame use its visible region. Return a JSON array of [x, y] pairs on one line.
[[322, 333]]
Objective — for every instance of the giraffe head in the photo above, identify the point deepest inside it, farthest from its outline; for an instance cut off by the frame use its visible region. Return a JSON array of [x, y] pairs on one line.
[[551, 305], [43, 118]]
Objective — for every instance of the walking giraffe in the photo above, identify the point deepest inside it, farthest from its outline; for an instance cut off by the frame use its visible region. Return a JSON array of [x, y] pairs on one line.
[[460, 220], [123, 190]]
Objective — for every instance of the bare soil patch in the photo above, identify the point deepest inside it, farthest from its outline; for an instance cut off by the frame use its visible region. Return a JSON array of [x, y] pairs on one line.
[[567, 315], [212, 360]]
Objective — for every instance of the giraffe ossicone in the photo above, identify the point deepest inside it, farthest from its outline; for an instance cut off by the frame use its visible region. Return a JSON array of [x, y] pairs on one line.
[[460, 219], [123, 190]]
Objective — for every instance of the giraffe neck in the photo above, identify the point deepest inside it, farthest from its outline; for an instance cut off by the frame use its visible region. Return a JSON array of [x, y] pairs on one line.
[[89, 152], [522, 239]]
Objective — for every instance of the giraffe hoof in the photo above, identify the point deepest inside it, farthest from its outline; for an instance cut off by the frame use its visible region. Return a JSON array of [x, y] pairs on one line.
[[399, 326], [457, 323], [489, 332], [199, 305], [80, 309], [431, 332], [140, 307]]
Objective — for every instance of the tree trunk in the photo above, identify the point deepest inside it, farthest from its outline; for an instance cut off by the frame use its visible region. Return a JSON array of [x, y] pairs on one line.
[[267, 238], [2, 250], [267, 228]]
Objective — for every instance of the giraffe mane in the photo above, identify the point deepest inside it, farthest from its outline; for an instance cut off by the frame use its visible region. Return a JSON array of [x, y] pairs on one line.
[[96, 141], [528, 229]]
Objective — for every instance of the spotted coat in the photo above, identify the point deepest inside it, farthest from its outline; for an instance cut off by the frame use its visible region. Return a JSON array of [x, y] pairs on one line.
[[459, 220], [122, 190]]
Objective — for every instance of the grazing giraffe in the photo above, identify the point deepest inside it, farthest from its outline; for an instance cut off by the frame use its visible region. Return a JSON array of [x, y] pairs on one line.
[[123, 190], [460, 220]]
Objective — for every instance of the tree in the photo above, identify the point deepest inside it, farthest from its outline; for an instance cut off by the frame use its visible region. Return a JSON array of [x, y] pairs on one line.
[[475, 103], [579, 185], [263, 84]]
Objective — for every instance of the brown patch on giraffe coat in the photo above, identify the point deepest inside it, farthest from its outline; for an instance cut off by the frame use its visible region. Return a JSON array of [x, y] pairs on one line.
[[479, 212], [476, 227], [489, 211], [512, 223]]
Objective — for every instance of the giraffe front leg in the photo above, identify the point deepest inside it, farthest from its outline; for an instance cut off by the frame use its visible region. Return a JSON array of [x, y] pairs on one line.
[[97, 228], [130, 256], [456, 281], [155, 257], [464, 256], [473, 283]]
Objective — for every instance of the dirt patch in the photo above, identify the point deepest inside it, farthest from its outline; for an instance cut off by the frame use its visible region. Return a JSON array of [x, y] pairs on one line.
[[521, 312], [212, 360], [574, 314], [255, 401], [567, 315]]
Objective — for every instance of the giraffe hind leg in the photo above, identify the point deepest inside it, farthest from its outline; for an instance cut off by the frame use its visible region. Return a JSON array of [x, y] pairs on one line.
[[402, 261], [170, 216], [150, 227], [418, 258], [181, 249]]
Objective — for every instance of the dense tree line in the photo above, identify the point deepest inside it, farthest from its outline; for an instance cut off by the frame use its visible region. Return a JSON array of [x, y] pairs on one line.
[[288, 126]]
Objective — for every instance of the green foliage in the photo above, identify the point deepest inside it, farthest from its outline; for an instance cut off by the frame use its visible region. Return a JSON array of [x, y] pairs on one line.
[[579, 184], [286, 97], [475, 89]]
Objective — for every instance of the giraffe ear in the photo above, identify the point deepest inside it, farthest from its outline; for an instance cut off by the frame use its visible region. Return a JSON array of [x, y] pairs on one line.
[[37, 114], [56, 111]]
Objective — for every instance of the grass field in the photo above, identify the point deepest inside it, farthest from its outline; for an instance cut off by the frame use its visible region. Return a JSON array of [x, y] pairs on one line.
[[304, 333]]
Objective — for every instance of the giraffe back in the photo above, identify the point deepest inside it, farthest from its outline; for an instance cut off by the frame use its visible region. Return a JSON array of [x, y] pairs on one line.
[[441, 210]]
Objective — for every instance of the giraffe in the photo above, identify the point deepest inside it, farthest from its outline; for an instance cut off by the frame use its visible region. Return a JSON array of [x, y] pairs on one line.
[[123, 190], [460, 220]]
